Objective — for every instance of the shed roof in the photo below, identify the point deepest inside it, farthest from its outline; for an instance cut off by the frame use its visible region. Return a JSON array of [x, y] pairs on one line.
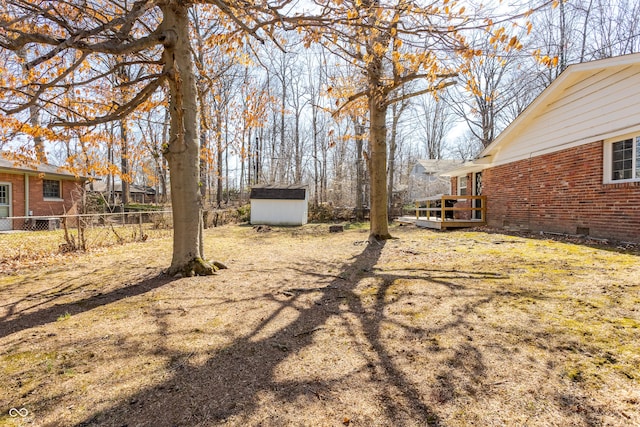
[[275, 192]]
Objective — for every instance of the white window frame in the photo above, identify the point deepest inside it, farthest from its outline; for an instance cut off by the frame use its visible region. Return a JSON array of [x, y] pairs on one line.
[[462, 178], [608, 159], [8, 184], [53, 199]]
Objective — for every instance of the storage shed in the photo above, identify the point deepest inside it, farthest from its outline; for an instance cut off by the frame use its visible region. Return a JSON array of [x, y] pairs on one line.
[[279, 205]]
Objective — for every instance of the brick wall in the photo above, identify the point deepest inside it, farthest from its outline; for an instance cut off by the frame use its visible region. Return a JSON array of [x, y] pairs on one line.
[[41, 207], [563, 192], [37, 204]]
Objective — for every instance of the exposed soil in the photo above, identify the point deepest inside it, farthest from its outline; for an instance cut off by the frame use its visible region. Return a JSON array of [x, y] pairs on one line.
[[311, 328]]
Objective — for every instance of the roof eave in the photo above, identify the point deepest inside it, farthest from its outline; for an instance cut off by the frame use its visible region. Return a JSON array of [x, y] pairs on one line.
[[550, 91], [468, 167]]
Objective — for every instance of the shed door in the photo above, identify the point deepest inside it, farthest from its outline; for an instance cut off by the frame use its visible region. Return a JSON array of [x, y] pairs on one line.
[[5, 207]]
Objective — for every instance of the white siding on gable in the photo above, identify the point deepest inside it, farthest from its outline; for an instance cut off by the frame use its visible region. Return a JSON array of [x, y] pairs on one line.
[[599, 104]]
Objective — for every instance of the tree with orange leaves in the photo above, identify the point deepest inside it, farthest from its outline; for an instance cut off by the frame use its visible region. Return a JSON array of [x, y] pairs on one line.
[[53, 49], [421, 46]]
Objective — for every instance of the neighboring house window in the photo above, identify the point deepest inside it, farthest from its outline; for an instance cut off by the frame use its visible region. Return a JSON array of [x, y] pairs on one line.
[[51, 189], [622, 160], [4, 194], [462, 185]]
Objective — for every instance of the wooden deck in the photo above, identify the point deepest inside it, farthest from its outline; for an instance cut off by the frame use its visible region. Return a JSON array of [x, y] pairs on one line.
[[430, 212], [438, 224]]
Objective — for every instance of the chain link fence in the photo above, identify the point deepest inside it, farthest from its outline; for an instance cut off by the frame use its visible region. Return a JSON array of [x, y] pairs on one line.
[[24, 240], [66, 233]]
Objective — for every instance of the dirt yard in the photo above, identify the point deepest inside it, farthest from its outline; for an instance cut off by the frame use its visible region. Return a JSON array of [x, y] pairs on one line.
[[311, 328]]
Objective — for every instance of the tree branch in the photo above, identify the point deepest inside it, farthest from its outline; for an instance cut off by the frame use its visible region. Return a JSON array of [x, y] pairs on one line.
[[430, 89], [121, 111]]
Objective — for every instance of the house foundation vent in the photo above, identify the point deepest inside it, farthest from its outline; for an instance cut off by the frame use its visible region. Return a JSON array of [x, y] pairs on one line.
[[584, 231]]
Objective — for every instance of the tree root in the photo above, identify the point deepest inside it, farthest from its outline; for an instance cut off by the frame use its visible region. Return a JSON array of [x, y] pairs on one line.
[[196, 267], [377, 238]]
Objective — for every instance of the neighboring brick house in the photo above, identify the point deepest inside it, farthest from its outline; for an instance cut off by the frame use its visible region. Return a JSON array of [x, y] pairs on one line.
[[137, 193], [570, 163], [42, 191]]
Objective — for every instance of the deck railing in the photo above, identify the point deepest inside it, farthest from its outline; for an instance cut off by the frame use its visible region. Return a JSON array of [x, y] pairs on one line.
[[444, 208]]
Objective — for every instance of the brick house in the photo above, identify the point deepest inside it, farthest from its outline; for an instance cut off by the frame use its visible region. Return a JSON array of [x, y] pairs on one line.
[[43, 191], [570, 163]]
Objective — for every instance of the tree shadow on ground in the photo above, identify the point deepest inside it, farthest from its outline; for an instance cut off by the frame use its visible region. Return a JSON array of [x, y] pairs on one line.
[[21, 321], [229, 385]]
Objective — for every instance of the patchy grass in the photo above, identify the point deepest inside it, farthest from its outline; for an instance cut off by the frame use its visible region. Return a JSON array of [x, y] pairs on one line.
[[312, 328], [37, 249]]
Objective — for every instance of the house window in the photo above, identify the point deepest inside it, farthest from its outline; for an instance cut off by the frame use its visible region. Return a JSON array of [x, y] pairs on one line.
[[4, 194], [51, 189], [623, 160], [462, 186]]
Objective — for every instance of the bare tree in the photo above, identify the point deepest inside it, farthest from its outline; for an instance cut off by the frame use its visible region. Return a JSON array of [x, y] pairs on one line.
[[482, 107], [396, 113], [434, 119], [61, 41]]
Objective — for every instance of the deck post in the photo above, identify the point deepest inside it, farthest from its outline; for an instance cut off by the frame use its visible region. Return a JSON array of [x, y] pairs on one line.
[[483, 211]]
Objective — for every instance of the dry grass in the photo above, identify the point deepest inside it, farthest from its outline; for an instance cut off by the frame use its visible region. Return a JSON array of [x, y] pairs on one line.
[[43, 248], [311, 328]]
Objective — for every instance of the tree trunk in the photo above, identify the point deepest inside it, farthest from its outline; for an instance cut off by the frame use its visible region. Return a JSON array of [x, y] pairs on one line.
[[379, 227], [34, 114], [359, 131], [392, 155], [124, 165], [258, 161], [316, 175], [298, 149], [183, 150], [220, 158], [281, 161], [204, 165], [243, 155]]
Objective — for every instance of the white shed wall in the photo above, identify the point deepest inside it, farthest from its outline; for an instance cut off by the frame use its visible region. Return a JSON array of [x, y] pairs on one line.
[[278, 212]]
